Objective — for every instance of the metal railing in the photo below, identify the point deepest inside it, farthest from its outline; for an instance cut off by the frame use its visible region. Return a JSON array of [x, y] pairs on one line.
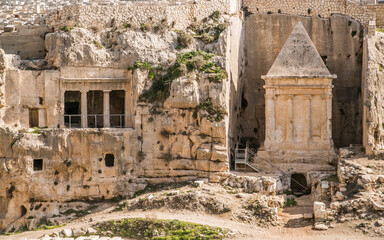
[[119, 117], [97, 120], [72, 120]]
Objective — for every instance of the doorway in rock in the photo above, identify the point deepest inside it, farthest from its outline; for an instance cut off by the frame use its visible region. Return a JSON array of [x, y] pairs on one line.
[[72, 111], [299, 185]]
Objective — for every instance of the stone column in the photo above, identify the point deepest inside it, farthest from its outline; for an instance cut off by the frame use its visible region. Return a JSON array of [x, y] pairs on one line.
[[127, 110], [307, 130], [289, 126], [106, 109], [328, 120], [326, 133], [270, 121], [84, 109]]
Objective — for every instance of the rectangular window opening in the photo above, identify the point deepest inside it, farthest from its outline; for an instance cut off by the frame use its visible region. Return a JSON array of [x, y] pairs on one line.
[[109, 160], [33, 118], [37, 165]]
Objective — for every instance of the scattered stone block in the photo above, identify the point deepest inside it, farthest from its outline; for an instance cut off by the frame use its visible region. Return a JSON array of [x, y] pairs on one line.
[[198, 183], [319, 211], [339, 196], [173, 193], [45, 237], [321, 226], [78, 232], [308, 215], [67, 232], [91, 231], [380, 222]]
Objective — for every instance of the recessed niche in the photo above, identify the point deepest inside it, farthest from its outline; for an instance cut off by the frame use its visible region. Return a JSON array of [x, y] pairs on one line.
[[37, 165], [109, 160]]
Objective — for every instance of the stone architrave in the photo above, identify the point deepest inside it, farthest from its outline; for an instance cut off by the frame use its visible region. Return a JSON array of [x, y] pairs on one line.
[[298, 104]]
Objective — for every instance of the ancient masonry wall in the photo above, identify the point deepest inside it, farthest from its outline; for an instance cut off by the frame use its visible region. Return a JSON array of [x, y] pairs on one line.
[[379, 10], [338, 40], [136, 14], [312, 8]]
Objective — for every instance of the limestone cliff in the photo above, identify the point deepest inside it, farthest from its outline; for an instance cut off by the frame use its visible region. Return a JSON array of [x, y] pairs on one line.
[[178, 101], [373, 104]]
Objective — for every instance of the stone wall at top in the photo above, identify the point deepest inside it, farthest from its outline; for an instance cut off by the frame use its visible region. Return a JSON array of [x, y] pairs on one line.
[[379, 10], [136, 14], [312, 8]]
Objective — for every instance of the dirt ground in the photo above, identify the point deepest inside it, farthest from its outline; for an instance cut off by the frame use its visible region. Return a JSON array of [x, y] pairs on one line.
[[291, 223]]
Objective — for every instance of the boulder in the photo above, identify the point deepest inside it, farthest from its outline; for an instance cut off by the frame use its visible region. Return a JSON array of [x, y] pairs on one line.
[[321, 226], [339, 196], [67, 232]]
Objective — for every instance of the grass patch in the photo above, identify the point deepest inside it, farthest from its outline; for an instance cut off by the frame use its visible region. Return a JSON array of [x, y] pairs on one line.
[[35, 131], [380, 30], [290, 203], [66, 28], [47, 227], [140, 228]]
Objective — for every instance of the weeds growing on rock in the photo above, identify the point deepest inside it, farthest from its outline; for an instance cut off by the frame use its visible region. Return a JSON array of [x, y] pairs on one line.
[[127, 26], [210, 30], [145, 27], [184, 40], [290, 203], [187, 62], [98, 45], [212, 113], [66, 28]]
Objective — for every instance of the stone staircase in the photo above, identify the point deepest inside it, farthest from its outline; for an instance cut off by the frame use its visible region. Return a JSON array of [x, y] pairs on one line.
[[243, 157]]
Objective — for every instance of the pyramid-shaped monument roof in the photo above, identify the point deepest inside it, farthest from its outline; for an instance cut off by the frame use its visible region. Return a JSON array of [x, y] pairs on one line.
[[299, 58]]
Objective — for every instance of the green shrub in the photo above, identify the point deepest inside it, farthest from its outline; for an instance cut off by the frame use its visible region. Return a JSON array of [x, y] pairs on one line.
[[184, 40], [66, 28], [146, 27], [215, 15], [290, 203], [207, 38], [187, 62], [213, 113], [127, 25], [217, 78]]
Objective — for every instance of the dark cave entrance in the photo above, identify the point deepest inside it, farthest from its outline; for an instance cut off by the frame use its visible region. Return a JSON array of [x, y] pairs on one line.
[[72, 112], [299, 185]]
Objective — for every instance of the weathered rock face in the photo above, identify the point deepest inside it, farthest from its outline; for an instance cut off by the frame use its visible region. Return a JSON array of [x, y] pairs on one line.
[[120, 49], [373, 106], [264, 37], [178, 138]]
